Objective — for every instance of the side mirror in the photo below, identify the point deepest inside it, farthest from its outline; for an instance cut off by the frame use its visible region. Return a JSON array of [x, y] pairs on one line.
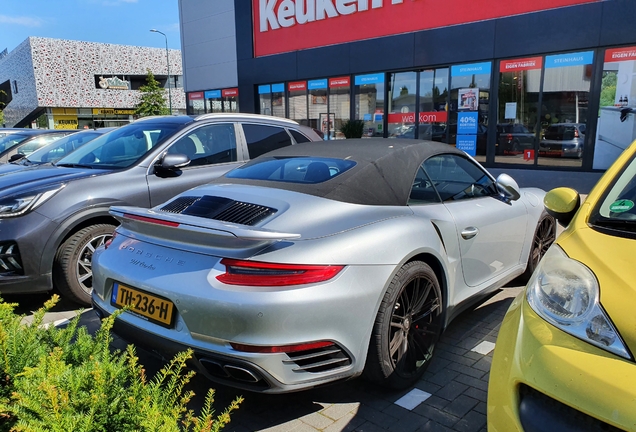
[[562, 204], [508, 187], [174, 161], [16, 157]]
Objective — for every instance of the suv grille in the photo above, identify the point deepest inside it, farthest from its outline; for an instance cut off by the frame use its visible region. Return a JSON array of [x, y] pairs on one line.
[[222, 209], [319, 359], [10, 261]]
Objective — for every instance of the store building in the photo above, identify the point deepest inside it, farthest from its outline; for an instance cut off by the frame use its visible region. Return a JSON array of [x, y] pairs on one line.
[[65, 84], [524, 83]]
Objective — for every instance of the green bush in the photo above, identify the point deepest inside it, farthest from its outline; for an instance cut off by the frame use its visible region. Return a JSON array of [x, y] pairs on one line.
[[352, 128], [63, 379]]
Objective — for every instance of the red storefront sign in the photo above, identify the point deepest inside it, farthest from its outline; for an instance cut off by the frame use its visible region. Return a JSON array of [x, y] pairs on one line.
[[425, 117], [229, 92], [290, 25], [521, 64], [195, 95], [296, 86], [620, 54], [339, 82]]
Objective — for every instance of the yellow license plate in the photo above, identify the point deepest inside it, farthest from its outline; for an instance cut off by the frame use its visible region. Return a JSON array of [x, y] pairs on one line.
[[154, 308]]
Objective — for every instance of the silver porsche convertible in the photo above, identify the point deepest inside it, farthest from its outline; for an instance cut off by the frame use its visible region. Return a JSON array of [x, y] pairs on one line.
[[319, 262]]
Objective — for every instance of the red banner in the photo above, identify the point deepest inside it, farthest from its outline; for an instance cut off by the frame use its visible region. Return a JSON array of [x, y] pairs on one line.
[[425, 117], [521, 64], [289, 25], [620, 54], [296, 86], [339, 82], [229, 92], [195, 95]]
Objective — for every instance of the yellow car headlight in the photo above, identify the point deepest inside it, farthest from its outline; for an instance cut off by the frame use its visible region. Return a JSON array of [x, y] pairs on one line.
[[565, 293]]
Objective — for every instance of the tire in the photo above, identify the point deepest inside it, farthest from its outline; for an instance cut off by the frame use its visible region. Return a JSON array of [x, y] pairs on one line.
[[544, 236], [410, 321], [72, 272]]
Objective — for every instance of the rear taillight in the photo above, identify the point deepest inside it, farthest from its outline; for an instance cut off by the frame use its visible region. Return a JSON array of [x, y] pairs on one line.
[[252, 273], [509, 136], [576, 133], [151, 220], [110, 240], [280, 348]]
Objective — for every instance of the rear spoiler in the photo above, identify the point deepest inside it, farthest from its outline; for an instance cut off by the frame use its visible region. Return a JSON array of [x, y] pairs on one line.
[[194, 230]]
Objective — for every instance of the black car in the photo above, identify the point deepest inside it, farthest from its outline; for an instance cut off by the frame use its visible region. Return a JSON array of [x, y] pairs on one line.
[[513, 138], [52, 217]]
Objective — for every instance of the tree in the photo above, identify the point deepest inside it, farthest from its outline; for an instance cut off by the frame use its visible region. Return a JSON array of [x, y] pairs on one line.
[[152, 99]]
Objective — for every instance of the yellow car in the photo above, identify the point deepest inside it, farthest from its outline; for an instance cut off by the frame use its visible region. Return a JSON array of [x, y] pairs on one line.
[[564, 358]]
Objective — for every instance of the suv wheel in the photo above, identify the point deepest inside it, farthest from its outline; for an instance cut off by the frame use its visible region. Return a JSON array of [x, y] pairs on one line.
[[72, 271]]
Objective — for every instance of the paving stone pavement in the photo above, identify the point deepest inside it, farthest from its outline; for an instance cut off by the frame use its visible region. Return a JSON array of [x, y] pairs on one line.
[[456, 380]]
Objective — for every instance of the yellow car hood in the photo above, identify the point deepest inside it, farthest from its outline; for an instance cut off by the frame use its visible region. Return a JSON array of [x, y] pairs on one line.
[[613, 260]]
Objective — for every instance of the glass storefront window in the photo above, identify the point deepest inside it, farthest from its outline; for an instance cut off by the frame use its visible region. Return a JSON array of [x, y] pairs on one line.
[[617, 114], [402, 93], [339, 106], [298, 102], [517, 110], [369, 100], [278, 100], [319, 106], [468, 123], [433, 111], [196, 103], [566, 87]]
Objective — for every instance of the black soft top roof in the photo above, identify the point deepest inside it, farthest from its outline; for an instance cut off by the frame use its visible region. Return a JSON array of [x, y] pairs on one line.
[[383, 175]]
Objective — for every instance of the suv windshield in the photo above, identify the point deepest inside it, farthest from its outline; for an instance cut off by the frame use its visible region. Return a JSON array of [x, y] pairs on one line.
[[616, 209], [122, 147]]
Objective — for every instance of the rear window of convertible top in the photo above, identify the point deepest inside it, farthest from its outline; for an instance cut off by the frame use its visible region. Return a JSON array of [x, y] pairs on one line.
[[301, 169]]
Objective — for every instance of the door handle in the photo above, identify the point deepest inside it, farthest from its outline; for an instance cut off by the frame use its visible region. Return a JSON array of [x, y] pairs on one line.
[[469, 232]]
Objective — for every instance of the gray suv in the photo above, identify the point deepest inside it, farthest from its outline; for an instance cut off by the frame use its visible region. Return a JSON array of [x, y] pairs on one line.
[[52, 217]]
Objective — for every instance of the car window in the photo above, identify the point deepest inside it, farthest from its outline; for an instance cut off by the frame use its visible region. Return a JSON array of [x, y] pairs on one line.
[[423, 191], [207, 145], [263, 138], [457, 178], [121, 147], [37, 143], [298, 137], [62, 147], [292, 169]]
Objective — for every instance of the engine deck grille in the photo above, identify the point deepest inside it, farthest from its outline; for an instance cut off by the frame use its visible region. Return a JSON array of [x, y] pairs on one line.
[[218, 208]]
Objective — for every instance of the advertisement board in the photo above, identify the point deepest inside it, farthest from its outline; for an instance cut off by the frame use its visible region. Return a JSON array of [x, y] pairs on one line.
[[290, 25]]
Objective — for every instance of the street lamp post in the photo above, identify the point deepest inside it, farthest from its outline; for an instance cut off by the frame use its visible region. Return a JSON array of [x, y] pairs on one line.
[[168, 62]]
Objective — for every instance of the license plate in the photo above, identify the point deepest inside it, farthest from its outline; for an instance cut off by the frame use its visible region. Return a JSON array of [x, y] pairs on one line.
[[152, 307]]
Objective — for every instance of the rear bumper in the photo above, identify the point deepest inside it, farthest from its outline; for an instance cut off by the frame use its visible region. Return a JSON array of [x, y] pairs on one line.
[[543, 379]]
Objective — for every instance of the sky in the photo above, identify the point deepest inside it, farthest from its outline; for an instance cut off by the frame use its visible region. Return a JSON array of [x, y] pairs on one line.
[[123, 22]]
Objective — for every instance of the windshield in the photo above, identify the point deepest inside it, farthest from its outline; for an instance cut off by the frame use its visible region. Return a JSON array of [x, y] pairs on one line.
[[292, 169], [122, 147], [616, 209], [12, 140], [61, 147]]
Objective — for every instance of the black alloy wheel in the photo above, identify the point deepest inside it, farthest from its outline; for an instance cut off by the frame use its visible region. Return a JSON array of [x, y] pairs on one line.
[[407, 327]]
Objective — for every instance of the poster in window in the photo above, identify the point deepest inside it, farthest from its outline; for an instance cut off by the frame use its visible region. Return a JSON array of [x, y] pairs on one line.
[[327, 121], [319, 99], [277, 101], [468, 99]]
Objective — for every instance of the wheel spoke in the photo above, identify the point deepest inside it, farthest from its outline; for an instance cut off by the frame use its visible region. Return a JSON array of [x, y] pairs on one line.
[[84, 277], [396, 343]]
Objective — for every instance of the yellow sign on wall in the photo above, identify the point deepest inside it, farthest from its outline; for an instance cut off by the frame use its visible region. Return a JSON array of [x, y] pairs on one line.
[[65, 121], [104, 111]]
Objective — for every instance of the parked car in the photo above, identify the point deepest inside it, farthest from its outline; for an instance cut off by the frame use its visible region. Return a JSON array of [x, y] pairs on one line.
[[8, 131], [424, 132], [448, 134], [9, 141], [563, 140], [54, 216], [513, 138], [564, 358], [53, 151], [28, 145], [320, 262]]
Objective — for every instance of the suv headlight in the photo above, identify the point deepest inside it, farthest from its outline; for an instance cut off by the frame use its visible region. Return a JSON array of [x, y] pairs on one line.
[[565, 293], [19, 204]]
